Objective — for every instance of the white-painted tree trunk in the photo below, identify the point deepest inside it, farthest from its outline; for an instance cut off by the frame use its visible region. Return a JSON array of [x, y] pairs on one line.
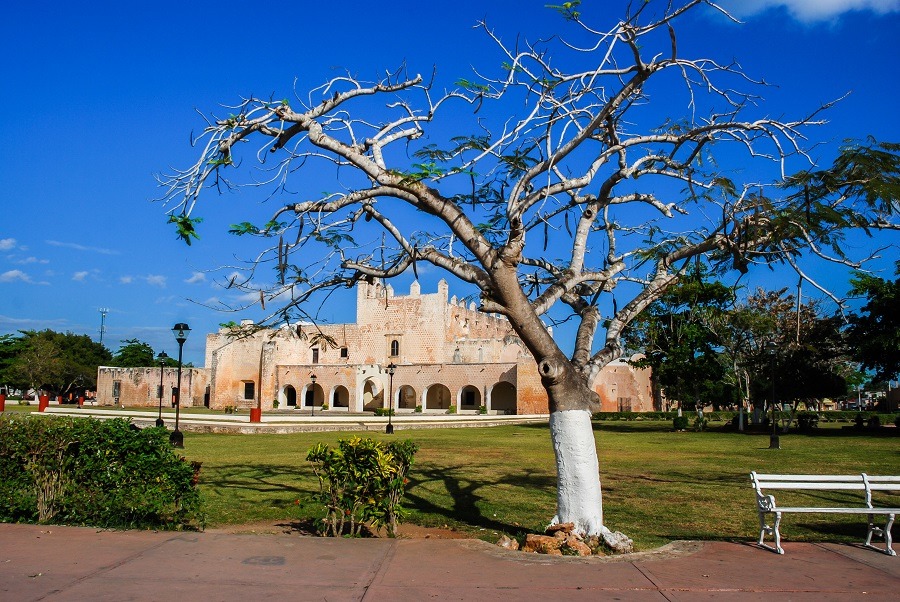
[[579, 498]]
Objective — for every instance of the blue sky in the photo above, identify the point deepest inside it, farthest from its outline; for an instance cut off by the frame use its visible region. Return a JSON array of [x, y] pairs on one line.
[[101, 96]]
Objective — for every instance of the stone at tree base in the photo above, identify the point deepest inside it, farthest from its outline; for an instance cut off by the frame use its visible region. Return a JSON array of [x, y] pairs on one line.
[[618, 542], [508, 543], [541, 544], [576, 545], [560, 527]]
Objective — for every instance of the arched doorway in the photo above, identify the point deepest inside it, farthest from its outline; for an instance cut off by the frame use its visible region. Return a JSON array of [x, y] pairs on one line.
[[469, 398], [503, 398], [372, 395], [340, 397], [313, 396], [290, 396], [437, 397], [406, 398]]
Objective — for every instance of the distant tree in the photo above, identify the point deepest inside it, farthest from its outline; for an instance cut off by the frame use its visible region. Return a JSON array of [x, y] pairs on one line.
[[134, 354], [39, 364], [547, 188], [805, 352], [875, 331], [59, 363], [10, 348], [679, 344]]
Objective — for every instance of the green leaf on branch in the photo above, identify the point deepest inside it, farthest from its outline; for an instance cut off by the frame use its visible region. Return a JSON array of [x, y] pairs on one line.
[[184, 226]]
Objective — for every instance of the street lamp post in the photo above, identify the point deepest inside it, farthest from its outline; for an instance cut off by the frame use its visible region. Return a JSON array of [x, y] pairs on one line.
[[312, 377], [161, 358], [774, 442], [181, 332], [390, 426]]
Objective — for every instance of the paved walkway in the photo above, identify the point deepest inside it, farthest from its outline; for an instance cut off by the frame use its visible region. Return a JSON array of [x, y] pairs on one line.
[[292, 421], [70, 563]]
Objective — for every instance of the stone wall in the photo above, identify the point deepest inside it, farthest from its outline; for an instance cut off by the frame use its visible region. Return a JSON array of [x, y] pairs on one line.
[[139, 386]]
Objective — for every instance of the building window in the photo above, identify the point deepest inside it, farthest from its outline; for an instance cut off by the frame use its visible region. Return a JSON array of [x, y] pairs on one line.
[[117, 388], [345, 353], [249, 390], [395, 348], [315, 355]]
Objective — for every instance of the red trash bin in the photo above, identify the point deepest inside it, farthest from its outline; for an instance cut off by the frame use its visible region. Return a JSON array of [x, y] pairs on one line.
[[255, 414], [43, 402]]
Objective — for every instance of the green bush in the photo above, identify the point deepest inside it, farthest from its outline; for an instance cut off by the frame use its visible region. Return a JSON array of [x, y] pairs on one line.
[[451, 409], [362, 483], [81, 471], [679, 423], [384, 412]]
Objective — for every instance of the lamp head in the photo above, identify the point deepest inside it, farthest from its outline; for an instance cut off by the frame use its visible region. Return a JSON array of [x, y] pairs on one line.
[[181, 332], [312, 377], [391, 368], [162, 357]]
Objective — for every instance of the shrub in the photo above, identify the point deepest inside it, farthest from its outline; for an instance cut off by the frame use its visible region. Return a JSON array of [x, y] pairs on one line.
[[482, 409], [384, 412], [700, 423], [81, 471], [418, 409], [679, 423], [451, 409], [362, 482]]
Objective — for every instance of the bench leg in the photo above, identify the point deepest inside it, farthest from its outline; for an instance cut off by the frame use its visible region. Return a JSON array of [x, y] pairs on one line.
[[885, 533], [774, 530]]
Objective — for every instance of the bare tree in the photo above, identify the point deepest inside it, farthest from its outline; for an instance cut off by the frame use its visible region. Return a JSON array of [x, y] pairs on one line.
[[613, 200]]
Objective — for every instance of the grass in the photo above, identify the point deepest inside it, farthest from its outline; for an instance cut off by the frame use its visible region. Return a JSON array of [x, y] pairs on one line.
[[658, 485]]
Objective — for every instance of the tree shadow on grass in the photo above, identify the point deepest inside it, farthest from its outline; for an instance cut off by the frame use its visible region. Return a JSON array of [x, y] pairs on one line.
[[284, 483], [466, 493], [281, 485]]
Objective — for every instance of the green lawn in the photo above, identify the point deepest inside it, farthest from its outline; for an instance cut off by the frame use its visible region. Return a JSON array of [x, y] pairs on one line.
[[658, 485]]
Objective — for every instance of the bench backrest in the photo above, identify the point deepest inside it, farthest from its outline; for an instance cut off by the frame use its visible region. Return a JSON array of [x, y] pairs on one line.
[[858, 482]]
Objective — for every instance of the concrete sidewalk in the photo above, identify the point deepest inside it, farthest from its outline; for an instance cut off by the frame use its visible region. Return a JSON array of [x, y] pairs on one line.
[[69, 563]]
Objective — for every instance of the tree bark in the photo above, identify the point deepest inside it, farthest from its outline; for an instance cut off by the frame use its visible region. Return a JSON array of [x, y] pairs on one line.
[[579, 497]]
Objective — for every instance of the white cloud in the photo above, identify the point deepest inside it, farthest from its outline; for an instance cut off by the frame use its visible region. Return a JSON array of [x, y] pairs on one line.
[[156, 280], [810, 10], [126, 279], [78, 247], [15, 276], [196, 278], [18, 276], [79, 276], [30, 260], [7, 243]]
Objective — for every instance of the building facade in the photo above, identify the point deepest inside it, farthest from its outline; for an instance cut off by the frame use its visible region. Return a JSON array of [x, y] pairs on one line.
[[425, 352]]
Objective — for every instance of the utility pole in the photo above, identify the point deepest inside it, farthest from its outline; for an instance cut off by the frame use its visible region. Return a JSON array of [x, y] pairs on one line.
[[103, 311]]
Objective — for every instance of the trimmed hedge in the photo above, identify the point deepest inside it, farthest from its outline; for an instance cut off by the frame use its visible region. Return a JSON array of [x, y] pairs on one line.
[[82, 471], [662, 416]]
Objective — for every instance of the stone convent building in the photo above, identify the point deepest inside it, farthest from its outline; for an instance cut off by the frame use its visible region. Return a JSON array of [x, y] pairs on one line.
[[446, 355]]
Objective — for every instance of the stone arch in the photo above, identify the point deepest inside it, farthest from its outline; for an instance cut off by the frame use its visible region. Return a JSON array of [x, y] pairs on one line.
[[313, 396], [502, 398], [289, 396], [340, 398], [372, 395], [406, 398], [469, 398], [437, 397]]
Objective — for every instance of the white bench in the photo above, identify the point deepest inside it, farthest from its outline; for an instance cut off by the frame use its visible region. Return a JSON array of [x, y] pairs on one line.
[[860, 482]]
